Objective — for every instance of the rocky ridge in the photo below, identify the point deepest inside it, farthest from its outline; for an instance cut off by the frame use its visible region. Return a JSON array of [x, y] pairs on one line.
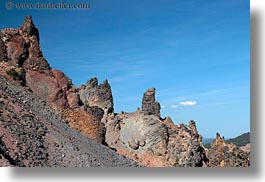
[[227, 154], [141, 135], [152, 141]]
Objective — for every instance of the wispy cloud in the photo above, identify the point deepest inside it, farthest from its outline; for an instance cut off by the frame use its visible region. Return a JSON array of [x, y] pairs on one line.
[[174, 106], [162, 107], [184, 103], [188, 103]]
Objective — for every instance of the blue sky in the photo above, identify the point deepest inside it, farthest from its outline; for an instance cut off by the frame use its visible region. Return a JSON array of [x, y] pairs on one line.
[[194, 52]]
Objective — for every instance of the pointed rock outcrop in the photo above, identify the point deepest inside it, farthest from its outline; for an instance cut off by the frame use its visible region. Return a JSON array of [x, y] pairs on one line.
[[30, 34], [97, 95], [224, 154], [21, 49], [149, 104], [28, 29], [22, 46]]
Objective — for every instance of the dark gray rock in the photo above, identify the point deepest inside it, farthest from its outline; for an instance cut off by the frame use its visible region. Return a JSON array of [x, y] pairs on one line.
[[196, 155], [95, 111], [133, 144], [2, 48], [149, 105]]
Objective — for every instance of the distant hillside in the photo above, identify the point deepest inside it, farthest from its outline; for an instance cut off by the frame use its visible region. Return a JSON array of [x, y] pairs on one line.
[[241, 140], [207, 140]]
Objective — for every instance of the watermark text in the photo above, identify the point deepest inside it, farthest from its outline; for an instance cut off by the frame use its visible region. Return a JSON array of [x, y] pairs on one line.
[[46, 5]]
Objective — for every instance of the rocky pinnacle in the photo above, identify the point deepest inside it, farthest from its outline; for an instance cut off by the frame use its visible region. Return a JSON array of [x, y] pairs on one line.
[[149, 105]]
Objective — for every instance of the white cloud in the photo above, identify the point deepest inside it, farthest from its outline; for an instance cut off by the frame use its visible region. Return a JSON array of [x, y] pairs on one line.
[[163, 107], [188, 103], [174, 106]]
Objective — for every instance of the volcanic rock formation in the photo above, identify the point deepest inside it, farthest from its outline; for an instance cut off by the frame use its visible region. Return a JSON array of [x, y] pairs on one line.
[[151, 141], [224, 154], [32, 134], [24, 55], [34, 129], [97, 95], [149, 105], [23, 51]]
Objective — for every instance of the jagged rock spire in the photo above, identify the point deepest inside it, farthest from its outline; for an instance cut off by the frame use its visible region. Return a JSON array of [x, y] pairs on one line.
[[28, 28], [193, 127], [21, 47], [149, 105], [92, 82], [97, 95]]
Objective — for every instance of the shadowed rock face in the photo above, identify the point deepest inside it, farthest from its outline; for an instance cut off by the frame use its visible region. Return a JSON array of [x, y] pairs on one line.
[[16, 50], [149, 105], [2, 48]]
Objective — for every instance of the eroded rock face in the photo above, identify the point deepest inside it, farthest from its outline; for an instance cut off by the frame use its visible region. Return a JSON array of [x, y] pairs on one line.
[[223, 154], [151, 141], [47, 87], [16, 50], [22, 46], [135, 134], [62, 80], [97, 95], [35, 59], [149, 105], [73, 98], [184, 146], [135, 128], [28, 29], [23, 51]]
